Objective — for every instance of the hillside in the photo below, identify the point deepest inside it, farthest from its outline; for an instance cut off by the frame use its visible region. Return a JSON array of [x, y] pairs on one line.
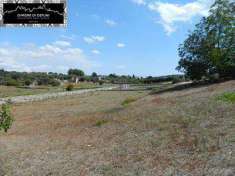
[[185, 132]]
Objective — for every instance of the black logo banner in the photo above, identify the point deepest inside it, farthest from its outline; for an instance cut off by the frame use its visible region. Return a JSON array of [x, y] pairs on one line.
[[33, 13]]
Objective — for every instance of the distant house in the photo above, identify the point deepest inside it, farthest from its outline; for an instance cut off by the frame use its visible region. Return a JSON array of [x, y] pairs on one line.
[[75, 79], [124, 86], [100, 78], [33, 84]]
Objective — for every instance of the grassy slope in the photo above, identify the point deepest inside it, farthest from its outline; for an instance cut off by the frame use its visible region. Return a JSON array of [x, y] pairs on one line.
[[175, 133]]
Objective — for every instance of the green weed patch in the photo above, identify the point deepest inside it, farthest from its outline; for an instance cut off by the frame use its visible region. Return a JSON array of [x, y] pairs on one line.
[[128, 101], [100, 123], [227, 97]]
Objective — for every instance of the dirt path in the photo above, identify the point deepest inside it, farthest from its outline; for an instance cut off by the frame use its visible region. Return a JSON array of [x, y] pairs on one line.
[[39, 97]]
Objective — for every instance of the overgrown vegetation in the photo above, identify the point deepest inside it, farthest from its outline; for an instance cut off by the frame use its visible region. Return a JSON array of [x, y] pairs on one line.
[[6, 117], [210, 49], [227, 97]]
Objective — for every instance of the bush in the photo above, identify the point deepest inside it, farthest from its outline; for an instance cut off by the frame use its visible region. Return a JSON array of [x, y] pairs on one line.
[[70, 87], [6, 118], [12, 82], [101, 122], [28, 82], [55, 83], [101, 82], [214, 78]]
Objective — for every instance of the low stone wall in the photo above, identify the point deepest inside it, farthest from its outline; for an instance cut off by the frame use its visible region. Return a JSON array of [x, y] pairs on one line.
[[40, 97]]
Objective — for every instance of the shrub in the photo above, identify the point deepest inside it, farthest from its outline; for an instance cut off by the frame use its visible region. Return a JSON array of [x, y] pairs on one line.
[[12, 82], [70, 87], [55, 83], [128, 101], [214, 78], [227, 97], [101, 82], [28, 82], [6, 118], [101, 122]]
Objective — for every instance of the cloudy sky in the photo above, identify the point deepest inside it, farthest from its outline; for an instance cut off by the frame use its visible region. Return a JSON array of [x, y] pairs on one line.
[[138, 37]]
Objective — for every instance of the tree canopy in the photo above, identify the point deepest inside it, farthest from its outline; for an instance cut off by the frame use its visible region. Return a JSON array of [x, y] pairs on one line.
[[210, 48], [76, 72]]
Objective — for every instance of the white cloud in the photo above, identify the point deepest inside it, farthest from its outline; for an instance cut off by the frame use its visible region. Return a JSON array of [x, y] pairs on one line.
[[110, 23], [12, 65], [95, 51], [62, 43], [68, 37], [48, 57], [4, 52], [139, 2], [62, 68], [171, 13], [94, 39], [121, 45], [95, 16], [41, 68], [120, 67]]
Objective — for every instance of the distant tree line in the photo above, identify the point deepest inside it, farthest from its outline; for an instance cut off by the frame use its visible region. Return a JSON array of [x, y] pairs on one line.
[[209, 51], [25, 79], [169, 78], [18, 79]]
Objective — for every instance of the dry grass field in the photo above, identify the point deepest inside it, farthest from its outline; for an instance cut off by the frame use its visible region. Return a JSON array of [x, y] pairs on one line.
[[11, 91], [124, 133]]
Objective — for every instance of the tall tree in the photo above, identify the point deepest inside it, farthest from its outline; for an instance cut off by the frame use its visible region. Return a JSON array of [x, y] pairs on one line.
[[94, 75], [76, 75], [76, 72], [210, 47], [220, 28], [195, 59]]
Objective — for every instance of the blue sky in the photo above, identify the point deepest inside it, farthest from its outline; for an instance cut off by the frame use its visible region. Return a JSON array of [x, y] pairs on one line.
[[138, 37]]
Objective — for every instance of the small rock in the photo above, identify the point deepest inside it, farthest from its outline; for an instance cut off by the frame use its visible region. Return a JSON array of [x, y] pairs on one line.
[[229, 172]]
